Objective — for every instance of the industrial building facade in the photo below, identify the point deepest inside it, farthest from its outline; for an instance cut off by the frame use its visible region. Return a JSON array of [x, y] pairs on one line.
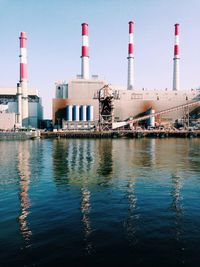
[[128, 102], [9, 108]]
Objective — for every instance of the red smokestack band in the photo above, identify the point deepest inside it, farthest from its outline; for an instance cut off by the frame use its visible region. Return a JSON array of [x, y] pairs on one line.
[[84, 51], [176, 29], [130, 26], [23, 71], [22, 40], [176, 50], [130, 48], [84, 29]]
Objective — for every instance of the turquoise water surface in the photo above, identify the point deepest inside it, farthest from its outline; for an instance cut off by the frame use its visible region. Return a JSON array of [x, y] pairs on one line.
[[87, 202]]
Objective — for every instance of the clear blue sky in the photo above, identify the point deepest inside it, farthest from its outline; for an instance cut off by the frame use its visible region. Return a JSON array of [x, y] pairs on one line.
[[53, 29]]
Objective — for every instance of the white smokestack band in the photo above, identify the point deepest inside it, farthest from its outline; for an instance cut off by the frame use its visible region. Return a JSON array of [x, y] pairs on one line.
[[130, 82], [85, 67]]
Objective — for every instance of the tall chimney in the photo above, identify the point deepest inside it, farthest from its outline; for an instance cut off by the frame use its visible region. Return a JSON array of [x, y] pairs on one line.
[[85, 52], [176, 80], [23, 79], [130, 83]]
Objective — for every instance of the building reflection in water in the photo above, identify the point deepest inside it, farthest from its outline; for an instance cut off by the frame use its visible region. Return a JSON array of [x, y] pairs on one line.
[[73, 160], [79, 157], [144, 152], [76, 158], [74, 163], [24, 175], [89, 154], [130, 223], [61, 160], [152, 150], [105, 157], [176, 203]]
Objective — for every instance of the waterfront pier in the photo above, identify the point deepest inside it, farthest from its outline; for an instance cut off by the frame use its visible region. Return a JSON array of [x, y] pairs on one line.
[[123, 134]]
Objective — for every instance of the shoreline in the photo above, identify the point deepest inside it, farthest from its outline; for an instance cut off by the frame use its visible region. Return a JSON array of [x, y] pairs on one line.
[[129, 134], [122, 134]]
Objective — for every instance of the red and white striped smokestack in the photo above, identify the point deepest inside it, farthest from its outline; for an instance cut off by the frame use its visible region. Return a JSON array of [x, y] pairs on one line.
[[130, 83], [85, 52], [176, 81], [23, 80]]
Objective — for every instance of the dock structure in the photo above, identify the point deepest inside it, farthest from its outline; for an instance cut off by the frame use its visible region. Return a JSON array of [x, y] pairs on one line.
[[123, 134]]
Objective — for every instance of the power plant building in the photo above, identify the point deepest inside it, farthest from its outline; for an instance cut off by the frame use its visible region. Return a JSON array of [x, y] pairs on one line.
[[129, 101]]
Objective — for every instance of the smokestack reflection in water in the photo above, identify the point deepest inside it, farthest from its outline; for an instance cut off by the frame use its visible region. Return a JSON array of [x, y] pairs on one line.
[[73, 163], [176, 203], [130, 223], [105, 162], [24, 175], [73, 160], [85, 209]]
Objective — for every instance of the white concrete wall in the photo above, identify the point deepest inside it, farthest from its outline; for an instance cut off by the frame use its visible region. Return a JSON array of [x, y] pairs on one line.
[[13, 91], [7, 121]]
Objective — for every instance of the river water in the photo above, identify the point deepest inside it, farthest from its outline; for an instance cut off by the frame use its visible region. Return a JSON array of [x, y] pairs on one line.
[[85, 202]]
